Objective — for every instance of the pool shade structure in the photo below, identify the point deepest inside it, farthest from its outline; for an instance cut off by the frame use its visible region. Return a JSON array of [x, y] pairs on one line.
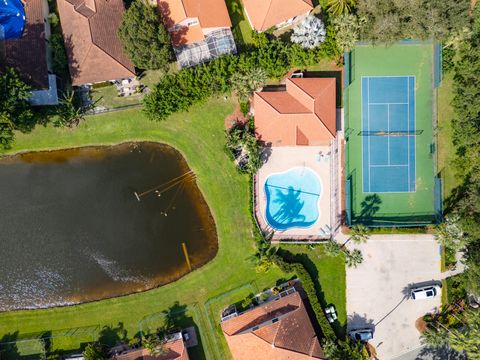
[[12, 19], [292, 199]]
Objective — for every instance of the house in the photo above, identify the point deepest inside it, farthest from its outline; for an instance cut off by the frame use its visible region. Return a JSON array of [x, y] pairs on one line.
[[279, 329], [23, 46], [175, 349], [95, 53], [265, 14], [200, 29], [303, 112]]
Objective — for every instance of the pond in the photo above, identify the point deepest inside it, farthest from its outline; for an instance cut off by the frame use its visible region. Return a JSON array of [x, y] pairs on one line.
[[85, 224]]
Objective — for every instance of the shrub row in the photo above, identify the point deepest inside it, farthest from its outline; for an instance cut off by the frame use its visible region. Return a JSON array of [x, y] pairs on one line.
[[309, 287], [177, 92]]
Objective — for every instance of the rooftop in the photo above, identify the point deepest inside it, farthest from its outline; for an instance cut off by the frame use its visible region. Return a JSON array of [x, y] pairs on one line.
[[279, 329], [94, 51], [265, 14], [28, 55]]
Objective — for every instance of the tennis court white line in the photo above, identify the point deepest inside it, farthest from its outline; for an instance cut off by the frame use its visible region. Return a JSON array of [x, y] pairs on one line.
[[401, 165], [388, 103], [368, 123], [408, 129], [388, 131]]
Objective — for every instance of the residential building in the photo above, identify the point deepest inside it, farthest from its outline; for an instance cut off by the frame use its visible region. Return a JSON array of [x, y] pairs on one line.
[[174, 349], [95, 53], [28, 53], [303, 112], [200, 29], [266, 14], [278, 329]]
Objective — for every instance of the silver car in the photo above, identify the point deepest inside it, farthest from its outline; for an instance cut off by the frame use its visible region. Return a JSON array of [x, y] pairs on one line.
[[425, 292]]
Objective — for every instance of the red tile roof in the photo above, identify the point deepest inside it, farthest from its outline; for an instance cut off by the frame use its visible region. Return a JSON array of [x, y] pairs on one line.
[[210, 14], [29, 53], [253, 335], [303, 114], [94, 50], [267, 13]]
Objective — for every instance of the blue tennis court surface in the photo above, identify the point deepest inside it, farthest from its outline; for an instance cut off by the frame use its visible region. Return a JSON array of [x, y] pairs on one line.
[[388, 128]]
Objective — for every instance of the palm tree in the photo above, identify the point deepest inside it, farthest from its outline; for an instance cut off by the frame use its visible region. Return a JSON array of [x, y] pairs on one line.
[[359, 234], [353, 258], [332, 248], [310, 33], [154, 345], [246, 82], [264, 256], [435, 337], [338, 7]]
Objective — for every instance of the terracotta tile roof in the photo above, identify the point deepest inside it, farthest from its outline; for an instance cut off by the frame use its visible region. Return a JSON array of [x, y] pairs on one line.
[[94, 51], [29, 53], [303, 114], [210, 14], [176, 351], [267, 13], [254, 335]]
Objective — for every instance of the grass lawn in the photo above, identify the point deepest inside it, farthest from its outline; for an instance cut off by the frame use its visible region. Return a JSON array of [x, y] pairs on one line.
[[199, 135], [242, 31], [200, 295], [329, 275], [107, 96], [446, 150]]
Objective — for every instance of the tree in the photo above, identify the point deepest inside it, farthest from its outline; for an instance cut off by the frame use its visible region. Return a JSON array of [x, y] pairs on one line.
[[59, 56], [467, 339], [435, 337], [93, 352], [154, 345], [347, 28], [243, 146], [387, 21], [332, 248], [15, 111], [339, 7], [263, 258], [310, 33], [71, 111], [353, 258], [359, 234], [450, 234], [244, 83], [145, 39]]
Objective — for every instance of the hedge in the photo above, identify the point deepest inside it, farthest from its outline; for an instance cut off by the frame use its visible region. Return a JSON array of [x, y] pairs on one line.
[[309, 287], [177, 92]]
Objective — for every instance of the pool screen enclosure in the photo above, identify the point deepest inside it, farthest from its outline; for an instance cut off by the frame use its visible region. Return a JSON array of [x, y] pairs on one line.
[[388, 134]]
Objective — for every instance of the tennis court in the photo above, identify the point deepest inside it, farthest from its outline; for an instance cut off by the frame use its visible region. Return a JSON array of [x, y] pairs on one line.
[[388, 133], [390, 148]]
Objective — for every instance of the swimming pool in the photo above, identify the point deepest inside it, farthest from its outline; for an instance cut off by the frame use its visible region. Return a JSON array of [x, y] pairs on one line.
[[292, 198]]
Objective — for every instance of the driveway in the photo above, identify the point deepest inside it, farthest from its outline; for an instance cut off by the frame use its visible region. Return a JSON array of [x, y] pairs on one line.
[[377, 290]]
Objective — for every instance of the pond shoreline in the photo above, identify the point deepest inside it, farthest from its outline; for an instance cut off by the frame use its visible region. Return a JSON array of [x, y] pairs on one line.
[[200, 201]]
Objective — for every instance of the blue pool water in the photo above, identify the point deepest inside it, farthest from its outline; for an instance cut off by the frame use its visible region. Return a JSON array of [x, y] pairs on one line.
[[292, 198]]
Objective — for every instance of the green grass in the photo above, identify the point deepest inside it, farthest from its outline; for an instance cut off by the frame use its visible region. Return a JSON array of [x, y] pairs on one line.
[[242, 31], [199, 136], [329, 275], [446, 150], [395, 60], [107, 96]]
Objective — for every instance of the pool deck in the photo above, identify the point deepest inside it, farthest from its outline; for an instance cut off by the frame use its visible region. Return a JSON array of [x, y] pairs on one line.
[[281, 159]]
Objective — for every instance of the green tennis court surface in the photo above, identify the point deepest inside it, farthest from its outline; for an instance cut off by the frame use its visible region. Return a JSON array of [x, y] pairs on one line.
[[390, 178]]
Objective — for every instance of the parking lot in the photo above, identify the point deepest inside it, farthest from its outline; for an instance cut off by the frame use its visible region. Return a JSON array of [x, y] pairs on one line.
[[377, 290]]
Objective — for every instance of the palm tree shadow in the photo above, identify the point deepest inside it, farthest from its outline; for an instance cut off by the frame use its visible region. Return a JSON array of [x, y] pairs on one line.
[[370, 206], [290, 206]]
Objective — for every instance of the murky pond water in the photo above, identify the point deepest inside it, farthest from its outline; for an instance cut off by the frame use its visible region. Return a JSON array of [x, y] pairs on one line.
[[73, 230]]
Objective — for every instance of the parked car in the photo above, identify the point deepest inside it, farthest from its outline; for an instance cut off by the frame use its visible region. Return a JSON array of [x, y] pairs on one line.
[[331, 313], [362, 335], [425, 292]]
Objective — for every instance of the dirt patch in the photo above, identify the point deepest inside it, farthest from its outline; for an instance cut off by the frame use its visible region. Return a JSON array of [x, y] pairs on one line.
[[421, 324], [236, 117]]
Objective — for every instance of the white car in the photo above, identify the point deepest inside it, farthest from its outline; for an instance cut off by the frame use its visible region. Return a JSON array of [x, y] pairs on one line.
[[425, 292]]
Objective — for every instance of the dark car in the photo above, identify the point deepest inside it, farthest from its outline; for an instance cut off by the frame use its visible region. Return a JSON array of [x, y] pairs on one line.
[[362, 335]]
